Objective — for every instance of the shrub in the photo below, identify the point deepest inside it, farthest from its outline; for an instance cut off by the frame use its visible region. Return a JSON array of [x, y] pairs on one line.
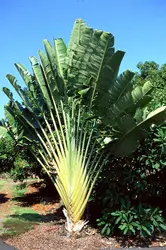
[[17, 161], [129, 220], [136, 184]]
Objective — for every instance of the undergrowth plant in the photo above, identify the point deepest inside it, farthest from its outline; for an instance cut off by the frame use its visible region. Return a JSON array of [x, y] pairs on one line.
[[129, 220]]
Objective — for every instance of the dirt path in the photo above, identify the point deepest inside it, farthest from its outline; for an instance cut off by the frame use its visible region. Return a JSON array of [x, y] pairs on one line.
[[47, 235]]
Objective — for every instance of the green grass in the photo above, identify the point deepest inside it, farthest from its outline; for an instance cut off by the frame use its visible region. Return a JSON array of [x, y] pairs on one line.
[[28, 214], [15, 226], [18, 190], [21, 212], [21, 220]]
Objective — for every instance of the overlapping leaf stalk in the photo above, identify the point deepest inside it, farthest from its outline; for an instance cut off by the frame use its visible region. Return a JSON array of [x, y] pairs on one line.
[[73, 158]]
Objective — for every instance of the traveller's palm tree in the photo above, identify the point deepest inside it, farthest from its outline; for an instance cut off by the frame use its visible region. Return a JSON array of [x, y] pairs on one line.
[[75, 89]]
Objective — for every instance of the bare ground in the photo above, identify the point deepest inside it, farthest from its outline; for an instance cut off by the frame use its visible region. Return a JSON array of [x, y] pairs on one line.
[[51, 235], [42, 238]]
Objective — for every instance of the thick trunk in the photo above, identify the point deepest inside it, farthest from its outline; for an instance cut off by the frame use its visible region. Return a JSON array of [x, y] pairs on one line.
[[71, 227]]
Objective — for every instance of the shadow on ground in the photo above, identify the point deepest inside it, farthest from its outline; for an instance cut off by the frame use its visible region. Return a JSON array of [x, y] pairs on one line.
[[42, 195], [134, 241], [3, 198], [34, 217]]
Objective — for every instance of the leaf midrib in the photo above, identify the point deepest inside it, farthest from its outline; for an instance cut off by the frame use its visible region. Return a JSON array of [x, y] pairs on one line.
[[99, 72]]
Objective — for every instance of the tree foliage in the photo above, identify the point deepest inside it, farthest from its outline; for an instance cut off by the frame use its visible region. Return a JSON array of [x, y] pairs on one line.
[[137, 181], [151, 71]]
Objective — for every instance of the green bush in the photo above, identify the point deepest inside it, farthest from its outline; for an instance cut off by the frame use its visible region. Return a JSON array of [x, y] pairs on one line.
[[136, 187], [20, 169], [7, 154], [17, 161], [129, 220], [156, 74]]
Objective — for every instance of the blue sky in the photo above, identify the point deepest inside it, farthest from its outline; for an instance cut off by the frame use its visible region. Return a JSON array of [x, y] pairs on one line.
[[139, 27]]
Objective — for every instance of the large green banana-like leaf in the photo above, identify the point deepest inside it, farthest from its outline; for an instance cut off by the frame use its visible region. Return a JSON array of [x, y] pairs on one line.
[[132, 132], [16, 128], [19, 90], [109, 99], [90, 55], [93, 67], [60, 53], [79, 26], [25, 74], [5, 131], [126, 104], [11, 119], [8, 93], [28, 79], [121, 85], [45, 75], [40, 78], [31, 84], [56, 55], [51, 56], [55, 62], [53, 82]]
